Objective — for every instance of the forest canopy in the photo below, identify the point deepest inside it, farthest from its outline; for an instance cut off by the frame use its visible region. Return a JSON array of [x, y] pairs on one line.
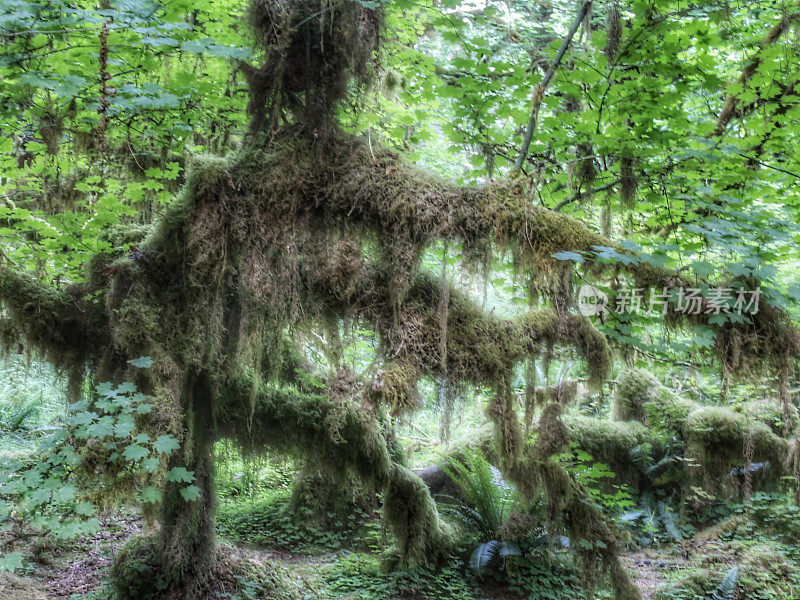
[[297, 231]]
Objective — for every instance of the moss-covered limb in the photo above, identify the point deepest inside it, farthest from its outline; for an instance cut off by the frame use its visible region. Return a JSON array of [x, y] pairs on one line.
[[287, 188], [340, 178], [60, 323], [771, 413], [341, 437], [481, 347]]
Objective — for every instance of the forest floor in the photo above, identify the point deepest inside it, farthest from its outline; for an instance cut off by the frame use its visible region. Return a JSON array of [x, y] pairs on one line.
[[79, 570]]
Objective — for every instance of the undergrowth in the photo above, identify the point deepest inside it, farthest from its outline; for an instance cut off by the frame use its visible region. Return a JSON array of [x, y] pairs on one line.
[[269, 523]]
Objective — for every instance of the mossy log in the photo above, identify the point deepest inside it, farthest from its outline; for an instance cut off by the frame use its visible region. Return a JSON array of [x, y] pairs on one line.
[[714, 437], [613, 443]]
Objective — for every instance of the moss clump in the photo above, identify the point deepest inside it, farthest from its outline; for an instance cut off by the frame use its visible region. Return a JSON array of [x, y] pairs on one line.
[[714, 438], [135, 571], [612, 443], [394, 385], [635, 388], [769, 412], [668, 412], [13, 587]]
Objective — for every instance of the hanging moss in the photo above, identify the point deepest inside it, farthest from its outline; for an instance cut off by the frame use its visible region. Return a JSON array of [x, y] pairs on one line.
[[273, 239], [613, 32], [311, 53], [394, 385], [321, 500], [65, 327]]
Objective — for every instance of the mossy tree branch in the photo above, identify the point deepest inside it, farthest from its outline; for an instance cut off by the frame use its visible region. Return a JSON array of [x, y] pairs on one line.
[[62, 325], [342, 437]]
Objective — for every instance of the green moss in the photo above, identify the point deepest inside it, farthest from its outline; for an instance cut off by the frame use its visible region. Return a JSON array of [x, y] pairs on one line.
[[714, 441], [612, 443], [136, 568], [635, 388], [63, 325], [764, 571], [322, 501], [14, 587], [769, 412], [137, 574], [340, 437], [394, 385], [667, 412]]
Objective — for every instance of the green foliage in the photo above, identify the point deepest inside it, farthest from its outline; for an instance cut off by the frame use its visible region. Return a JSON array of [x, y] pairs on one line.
[[361, 577], [654, 519], [47, 490], [482, 506], [485, 499], [138, 574], [271, 523], [31, 397], [727, 587]]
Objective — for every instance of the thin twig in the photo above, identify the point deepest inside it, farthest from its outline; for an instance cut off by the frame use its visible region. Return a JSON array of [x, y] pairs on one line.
[[538, 91]]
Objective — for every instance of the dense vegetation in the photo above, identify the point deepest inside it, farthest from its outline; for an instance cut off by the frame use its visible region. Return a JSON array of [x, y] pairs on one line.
[[299, 299]]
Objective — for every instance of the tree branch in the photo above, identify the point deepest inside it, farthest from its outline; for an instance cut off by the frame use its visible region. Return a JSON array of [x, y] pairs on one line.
[[729, 109], [586, 194], [341, 436], [538, 91]]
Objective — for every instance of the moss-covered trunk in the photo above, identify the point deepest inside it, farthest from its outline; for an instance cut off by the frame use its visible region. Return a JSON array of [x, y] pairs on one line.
[[188, 530]]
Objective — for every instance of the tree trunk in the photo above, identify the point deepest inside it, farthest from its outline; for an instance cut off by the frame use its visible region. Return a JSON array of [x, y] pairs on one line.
[[188, 540]]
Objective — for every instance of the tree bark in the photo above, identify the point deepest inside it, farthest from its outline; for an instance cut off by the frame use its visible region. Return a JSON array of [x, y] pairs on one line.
[[188, 539]]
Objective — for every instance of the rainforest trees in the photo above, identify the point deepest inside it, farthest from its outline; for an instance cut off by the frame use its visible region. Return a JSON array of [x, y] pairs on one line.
[[305, 226]]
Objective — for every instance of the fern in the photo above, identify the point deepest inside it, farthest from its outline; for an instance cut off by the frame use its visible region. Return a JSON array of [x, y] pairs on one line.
[[18, 415], [485, 502], [727, 588], [669, 522], [487, 497], [482, 556]]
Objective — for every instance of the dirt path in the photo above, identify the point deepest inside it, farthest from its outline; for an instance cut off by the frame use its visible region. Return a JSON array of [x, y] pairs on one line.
[[650, 570]]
